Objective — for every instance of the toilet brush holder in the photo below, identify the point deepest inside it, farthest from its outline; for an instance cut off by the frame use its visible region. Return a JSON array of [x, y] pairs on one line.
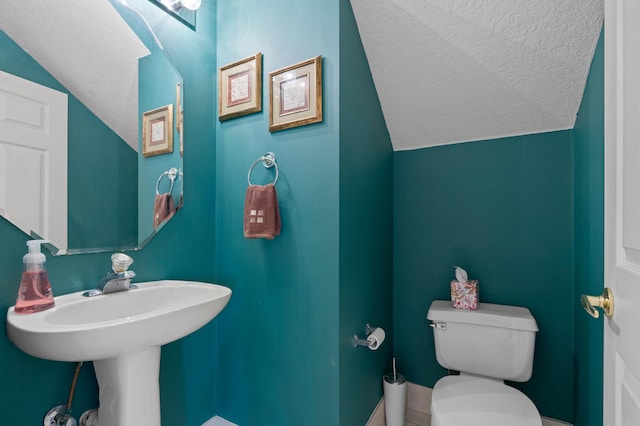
[[395, 398]]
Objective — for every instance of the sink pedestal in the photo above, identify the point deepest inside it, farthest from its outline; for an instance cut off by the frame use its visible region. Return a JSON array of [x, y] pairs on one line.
[[122, 334], [129, 389]]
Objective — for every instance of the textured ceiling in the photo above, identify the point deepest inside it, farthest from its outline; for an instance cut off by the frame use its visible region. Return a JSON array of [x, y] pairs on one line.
[[88, 48], [446, 71], [450, 71]]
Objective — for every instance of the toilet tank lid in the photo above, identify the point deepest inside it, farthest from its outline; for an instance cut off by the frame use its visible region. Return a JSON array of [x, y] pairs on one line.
[[504, 316]]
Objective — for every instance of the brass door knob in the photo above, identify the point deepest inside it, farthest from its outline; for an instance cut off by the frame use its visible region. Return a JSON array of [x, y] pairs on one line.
[[604, 302]]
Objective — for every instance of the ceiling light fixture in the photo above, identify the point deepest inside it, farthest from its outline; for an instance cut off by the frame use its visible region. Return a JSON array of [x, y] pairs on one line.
[[176, 5], [191, 4]]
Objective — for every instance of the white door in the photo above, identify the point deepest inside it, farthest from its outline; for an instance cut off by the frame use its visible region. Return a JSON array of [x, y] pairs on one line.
[[33, 158], [622, 212]]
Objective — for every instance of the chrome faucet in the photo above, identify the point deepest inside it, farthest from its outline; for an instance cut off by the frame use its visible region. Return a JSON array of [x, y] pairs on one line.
[[117, 280]]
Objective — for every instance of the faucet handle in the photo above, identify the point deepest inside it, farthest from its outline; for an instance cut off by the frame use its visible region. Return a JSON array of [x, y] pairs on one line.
[[120, 262]]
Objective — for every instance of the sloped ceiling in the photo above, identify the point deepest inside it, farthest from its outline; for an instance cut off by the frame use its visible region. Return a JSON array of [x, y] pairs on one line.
[[449, 71], [88, 48], [446, 71]]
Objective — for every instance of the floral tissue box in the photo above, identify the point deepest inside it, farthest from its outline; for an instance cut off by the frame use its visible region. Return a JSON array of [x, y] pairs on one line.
[[464, 295]]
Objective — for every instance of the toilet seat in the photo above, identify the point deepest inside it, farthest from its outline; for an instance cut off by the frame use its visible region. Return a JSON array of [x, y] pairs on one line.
[[468, 400]]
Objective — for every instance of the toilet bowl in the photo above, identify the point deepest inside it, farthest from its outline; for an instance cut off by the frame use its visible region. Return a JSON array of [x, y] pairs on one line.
[[467, 400], [487, 346]]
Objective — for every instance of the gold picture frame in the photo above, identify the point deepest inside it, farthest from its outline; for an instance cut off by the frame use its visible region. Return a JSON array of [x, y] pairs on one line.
[[295, 95], [178, 107], [157, 131], [179, 117], [240, 88]]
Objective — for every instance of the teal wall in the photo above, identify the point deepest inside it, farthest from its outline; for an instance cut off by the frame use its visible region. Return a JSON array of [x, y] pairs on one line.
[[95, 183], [286, 354], [278, 354], [503, 210], [524, 215], [589, 242], [366, 228], [183, 249], [512, 211]]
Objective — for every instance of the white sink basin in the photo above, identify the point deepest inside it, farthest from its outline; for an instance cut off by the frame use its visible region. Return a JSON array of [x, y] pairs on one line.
[[122, 333], [82, 328]]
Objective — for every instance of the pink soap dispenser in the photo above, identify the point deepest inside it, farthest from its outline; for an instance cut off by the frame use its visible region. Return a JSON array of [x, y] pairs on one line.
[[35, 291]]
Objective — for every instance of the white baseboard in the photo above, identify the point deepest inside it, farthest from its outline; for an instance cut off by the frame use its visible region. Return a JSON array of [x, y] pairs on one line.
[[218, 421], [419, 402]]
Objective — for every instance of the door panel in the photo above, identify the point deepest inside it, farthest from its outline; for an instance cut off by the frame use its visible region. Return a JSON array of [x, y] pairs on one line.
[[622, 212], [33, 158]]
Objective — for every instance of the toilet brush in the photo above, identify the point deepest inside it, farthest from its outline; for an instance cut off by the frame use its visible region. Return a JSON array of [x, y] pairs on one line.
[[395, 396], [393, 366]]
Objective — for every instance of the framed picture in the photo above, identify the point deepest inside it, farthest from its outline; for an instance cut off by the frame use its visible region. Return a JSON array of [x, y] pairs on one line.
[[240, 88], [295, 95], [157, 131]]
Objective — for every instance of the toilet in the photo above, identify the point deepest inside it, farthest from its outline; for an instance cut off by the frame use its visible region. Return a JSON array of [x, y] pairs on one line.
[[487, 346]]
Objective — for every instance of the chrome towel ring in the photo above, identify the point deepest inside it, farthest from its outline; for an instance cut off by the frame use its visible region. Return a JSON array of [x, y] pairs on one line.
[[268, 161], [171, 174]]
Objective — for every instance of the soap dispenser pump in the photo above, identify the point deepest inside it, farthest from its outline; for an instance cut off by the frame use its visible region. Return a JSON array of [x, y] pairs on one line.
[[35, 290]]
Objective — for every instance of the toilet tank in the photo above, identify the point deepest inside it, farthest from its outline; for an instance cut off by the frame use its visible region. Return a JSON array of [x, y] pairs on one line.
[[495, 341]]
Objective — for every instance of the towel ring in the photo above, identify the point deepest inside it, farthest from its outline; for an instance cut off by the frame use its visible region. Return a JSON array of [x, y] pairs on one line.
[[171, 174], [268, 161]]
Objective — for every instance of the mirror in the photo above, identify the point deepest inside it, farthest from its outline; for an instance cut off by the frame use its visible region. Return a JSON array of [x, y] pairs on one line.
[[121, 182]]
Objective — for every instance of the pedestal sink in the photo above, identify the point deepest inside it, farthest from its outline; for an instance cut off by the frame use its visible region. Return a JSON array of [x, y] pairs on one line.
[[122, 334]]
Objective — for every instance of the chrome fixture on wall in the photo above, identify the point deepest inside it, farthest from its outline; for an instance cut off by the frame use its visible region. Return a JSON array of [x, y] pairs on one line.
[[183, 10], [268, 161], [375, 338], [179, 4]]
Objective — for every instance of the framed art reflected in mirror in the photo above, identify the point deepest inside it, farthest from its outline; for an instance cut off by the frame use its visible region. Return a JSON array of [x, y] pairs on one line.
[[157, 131]]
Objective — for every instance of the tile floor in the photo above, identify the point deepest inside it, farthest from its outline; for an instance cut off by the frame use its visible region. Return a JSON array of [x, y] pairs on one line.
[[416, 418]]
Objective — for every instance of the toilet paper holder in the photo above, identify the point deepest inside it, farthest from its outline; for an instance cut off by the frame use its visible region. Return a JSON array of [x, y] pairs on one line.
[[363, 342]]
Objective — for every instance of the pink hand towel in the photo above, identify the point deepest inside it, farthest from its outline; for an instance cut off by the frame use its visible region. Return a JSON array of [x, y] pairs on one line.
[[162, 208], [261, 212]]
